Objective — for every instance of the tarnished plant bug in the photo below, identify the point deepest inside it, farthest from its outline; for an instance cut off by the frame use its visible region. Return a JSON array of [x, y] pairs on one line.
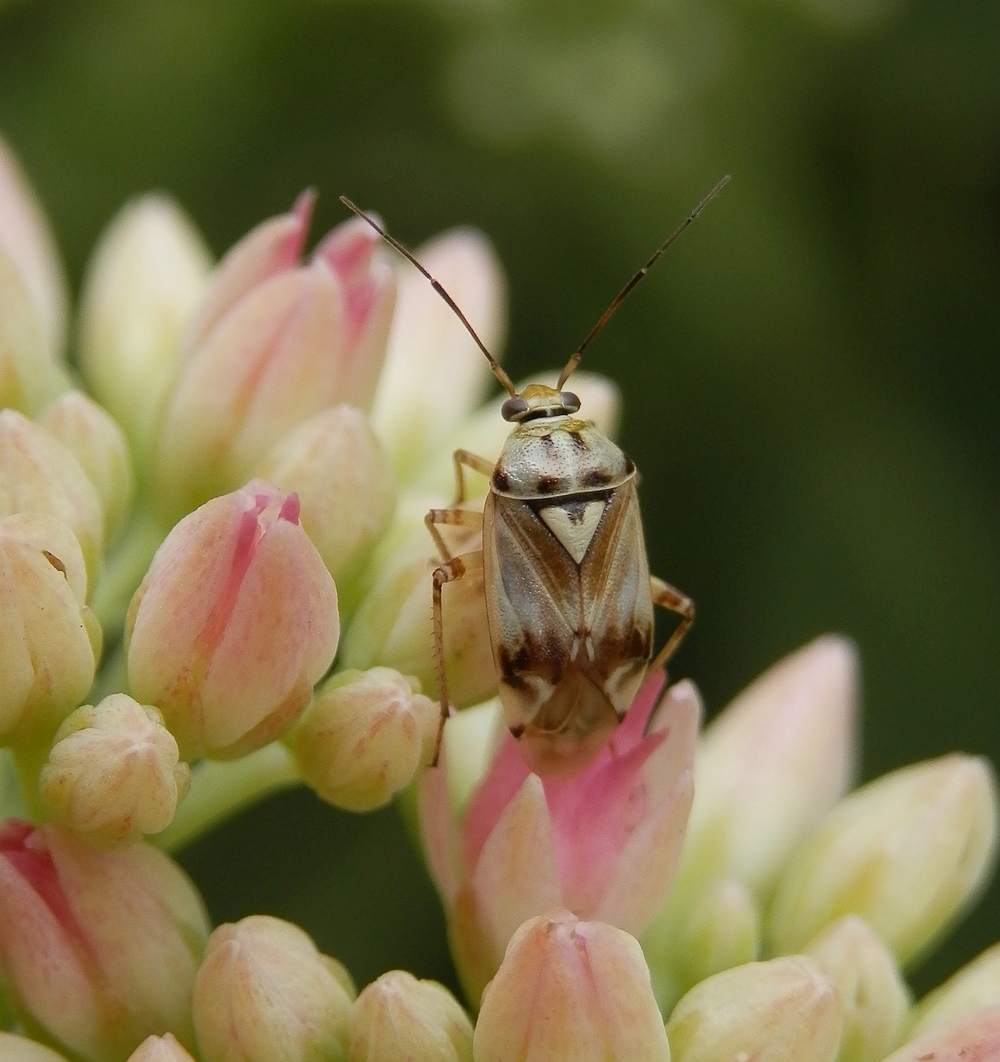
[[569, 596]]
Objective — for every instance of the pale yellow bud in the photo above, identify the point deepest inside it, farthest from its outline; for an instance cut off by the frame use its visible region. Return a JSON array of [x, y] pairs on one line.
[[19, 1049], [434, 374], [975, 985], [263, 992], [160, 1049], [364, 737], [974, 1037], [143, 281], [784, 1010], [907, 853], [872, 991], [336, 464], [392, 625], [398, 1017], [113, 773], [722, 930], [97, 442]]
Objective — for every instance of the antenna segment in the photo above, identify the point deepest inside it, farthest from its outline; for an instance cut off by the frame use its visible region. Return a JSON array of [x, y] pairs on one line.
[[498, 372], [620, 297]]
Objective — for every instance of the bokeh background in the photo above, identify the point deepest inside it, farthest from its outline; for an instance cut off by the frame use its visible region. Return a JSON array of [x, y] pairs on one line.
[[811, 376]]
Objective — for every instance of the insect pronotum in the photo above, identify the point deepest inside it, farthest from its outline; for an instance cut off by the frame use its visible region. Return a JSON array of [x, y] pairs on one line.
[[569, 597]]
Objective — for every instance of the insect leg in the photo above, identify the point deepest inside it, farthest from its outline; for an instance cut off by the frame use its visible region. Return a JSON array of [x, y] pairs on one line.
[[667, 596], [450, 518], [466, 459], [448, 572]]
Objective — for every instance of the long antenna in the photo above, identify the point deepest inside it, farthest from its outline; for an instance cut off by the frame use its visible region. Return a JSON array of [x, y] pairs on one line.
[[619, 298], [439, 288]]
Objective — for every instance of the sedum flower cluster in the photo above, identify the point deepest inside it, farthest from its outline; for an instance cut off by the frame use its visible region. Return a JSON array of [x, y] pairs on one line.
[[215, 582]]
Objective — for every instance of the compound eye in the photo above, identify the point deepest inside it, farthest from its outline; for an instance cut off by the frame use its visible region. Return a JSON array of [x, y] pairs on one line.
[[569, 401], [514, 407]]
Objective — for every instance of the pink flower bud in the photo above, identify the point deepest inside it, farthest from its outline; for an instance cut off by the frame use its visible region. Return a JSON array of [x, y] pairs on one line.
[[603, 844], [113, 773], [974, 1037], [264, 992], [25, 236], [274, 342], [49, 639], [98, 948], [570, 990], [234, 623]]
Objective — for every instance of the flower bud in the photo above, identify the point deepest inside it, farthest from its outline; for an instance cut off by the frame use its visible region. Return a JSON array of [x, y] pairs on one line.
[[262, 358], [974, 1037], [784, 1010], [364, 737], [907, 853], [142, 283], [392, 625], [19, 1049], [975, 985], [49, 639], [234, 623], [399, 1017], [434, 373], [97, 442], [873, 995], [160, 1049], [98, 947], [113, 773], [264, 992], [335, 464], [26, 237], [38, 474], [29, 375], [570, 990]]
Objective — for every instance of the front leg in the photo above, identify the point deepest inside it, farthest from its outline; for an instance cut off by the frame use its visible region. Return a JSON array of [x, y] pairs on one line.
[[667, 596], [451, 571]]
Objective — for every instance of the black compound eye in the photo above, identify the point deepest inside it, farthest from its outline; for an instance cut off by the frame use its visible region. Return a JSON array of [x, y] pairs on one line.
[[569, 401], [514, 407]]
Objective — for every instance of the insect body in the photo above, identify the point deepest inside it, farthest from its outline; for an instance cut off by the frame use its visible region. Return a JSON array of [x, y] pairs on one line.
[[569, 597]]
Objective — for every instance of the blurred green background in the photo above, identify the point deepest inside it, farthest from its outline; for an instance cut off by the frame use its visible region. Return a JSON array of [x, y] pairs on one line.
[[811, 380]]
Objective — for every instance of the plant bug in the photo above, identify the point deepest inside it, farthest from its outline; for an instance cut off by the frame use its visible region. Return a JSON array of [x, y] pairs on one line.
[[569, 596]]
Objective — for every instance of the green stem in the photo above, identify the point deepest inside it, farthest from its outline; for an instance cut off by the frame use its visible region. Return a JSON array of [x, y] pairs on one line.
[[220, 789]]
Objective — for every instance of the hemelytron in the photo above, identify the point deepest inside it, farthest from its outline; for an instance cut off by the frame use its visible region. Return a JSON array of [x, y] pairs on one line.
[[569, 597]]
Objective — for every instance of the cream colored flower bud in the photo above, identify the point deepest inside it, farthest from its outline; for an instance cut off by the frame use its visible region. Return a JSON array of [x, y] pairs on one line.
[[872, 991], [264, 992], [38, 474], [907, 853], [722, 930], [143, 281], [485, 431], [113, 773], [785, 1010], [160, 1049], [399, 1017], [19, 1049], [434, 374], [49, 639], [99, 444], [570, 990], [974, 1037], [29, 375], [364, 737], [336, 464], [392, 625], [975, 985], [25, 235]]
